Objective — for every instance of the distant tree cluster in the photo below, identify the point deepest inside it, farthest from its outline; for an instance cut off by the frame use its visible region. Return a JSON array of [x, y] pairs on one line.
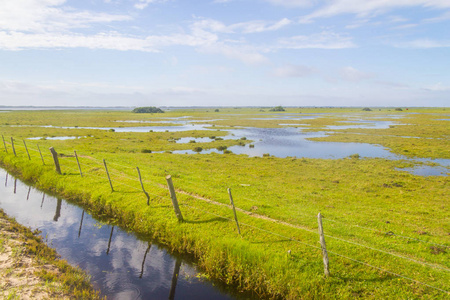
[[366, 109], [277, 108], [148, 110]]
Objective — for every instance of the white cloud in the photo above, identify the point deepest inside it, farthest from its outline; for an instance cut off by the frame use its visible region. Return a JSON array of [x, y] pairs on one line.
[[246, 54], [423, 44], [364, 8], [438, 87], [244, 27], [141, 4], [292, 3], [48, 16], [323, 40], [445, 16], [112, 41], [354, 75], [293, 71]]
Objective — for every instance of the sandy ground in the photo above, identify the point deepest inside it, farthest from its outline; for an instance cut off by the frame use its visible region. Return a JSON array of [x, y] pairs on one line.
[[17, 279]]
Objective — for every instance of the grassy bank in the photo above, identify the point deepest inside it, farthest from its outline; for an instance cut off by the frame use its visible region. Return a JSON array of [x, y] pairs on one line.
[[387, 230], [30, 269]]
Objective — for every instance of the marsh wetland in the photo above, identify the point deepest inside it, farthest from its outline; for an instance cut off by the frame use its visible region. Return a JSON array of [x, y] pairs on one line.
[[379, 178]]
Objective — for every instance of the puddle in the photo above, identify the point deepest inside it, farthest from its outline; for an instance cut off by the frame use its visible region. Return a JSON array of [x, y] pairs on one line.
[[427, 170], [193, 140], [363, 124], [121, 265]]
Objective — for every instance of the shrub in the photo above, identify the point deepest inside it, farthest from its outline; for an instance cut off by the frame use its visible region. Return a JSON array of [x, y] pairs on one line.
[[221, 148], [277, 108], [398, 109], [198, 149], [148, 110], [146, 151], [366, 109]]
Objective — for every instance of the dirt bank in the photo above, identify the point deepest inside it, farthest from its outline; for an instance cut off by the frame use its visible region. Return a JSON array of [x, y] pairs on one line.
[[31, 270]]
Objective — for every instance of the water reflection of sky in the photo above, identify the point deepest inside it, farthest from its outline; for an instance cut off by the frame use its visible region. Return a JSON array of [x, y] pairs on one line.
[[283, 142], [115, 262]]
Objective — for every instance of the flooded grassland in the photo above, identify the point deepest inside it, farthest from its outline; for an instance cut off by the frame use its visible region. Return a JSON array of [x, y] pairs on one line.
[[379, 179]]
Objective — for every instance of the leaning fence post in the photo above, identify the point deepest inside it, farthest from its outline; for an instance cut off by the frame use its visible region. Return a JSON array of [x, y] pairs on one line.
[[28, 153], [174, 198], [142, 185], [41, 155], [12, 144], [234, 211], [107, 173], [324, 247], [55, 159], [79, 167], [4, 144]]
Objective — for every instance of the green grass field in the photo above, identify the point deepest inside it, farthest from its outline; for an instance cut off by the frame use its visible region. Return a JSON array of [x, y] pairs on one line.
[[387, 231]]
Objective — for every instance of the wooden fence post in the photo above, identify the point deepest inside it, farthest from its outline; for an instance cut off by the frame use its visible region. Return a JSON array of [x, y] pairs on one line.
[[109, 178], [12, 144], [173, 196], [142, 185], [234, 211], [79, 167], [55, 159], [40, 153], [324, 247], [4, 144], [28, 153]]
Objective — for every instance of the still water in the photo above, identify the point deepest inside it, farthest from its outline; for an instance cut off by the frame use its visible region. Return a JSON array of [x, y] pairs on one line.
[[121, 265]]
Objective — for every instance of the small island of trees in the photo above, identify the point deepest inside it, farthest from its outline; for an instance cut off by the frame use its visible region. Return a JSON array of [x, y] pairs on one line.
[[148, 110], [277, 108]]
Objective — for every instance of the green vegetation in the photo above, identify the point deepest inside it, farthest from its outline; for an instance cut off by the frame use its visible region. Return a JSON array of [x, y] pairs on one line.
[[148, 110], [379, 221], [277, 108]]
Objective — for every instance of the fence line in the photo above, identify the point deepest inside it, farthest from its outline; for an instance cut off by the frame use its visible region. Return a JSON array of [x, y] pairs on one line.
[[121, 174]]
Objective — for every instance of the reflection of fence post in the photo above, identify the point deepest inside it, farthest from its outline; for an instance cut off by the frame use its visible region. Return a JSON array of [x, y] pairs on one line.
[[109, 178], [12, 144], [4, 144], [324, 247], [81, 224], [143, 261], [142, 185], [41, 155], [109, 242], [176, 272], [173, 196], [234, 211], [26, 149], [79, 167], [58, 210], [55, 159]]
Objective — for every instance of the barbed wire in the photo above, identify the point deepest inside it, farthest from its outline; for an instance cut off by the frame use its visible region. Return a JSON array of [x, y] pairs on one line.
[[122, 174]]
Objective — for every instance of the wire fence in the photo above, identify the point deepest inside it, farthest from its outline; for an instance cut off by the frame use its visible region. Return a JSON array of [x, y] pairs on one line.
[[122, 177]]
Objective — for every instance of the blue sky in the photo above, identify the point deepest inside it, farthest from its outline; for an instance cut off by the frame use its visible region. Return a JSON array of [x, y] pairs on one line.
[[225, 52]]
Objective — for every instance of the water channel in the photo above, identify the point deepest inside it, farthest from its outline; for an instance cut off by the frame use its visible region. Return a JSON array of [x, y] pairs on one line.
[[121, 264]]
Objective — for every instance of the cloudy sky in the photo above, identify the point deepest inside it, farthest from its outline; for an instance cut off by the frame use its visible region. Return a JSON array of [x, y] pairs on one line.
[[225, 52]]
